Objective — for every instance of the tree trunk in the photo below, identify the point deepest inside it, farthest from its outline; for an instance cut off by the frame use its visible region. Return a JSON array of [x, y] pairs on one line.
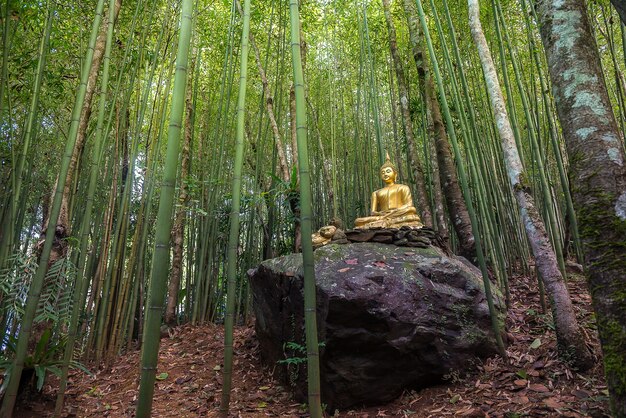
[[447, 170], [418, 173], [269, 105], [178, 229], [313, 376], [422, 70], [596, 155], [294, 195], [328, 181], [160, 262], [571, 343], [63, 228]]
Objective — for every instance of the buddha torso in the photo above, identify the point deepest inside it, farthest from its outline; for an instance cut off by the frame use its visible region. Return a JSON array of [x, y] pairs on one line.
[[391, 197]]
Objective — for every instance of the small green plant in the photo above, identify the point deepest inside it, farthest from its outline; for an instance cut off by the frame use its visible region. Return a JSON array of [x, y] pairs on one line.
[[297, 349], [298, 357], [44, 359]]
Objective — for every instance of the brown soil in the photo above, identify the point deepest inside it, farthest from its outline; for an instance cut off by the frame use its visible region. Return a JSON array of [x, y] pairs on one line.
[[533, 383]]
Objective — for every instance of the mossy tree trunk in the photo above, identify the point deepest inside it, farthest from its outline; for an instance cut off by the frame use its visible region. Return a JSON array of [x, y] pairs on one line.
[[598, 173]]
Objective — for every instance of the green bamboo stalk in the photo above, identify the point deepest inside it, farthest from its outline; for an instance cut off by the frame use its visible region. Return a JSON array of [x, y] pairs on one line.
[[233, 237], [37, 284], [6, 44], [158, 283], [80, 283], [463, 178], [310, 319], [18, 173]]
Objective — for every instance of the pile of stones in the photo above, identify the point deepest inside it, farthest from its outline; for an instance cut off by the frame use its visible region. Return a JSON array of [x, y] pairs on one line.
[[403, 237]]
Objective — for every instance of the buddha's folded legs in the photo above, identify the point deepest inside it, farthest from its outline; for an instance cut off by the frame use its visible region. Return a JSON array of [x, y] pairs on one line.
[[389, 217]]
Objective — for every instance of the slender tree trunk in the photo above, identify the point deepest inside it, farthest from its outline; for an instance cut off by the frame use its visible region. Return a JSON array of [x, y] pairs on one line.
[[439, 212], [310, 317], [294, 195], [447, 170], [598, 173], [159, 272], [569, 337], [63, 227], [179, 223], [269, 105], [292, 123], [34, 291], [418, 172], [234, 221]]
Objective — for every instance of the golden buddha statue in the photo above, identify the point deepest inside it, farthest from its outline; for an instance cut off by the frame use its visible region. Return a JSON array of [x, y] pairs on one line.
[[392, 206]]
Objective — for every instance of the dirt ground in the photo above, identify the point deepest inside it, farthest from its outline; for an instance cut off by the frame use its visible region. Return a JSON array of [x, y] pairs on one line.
[[534, 383]]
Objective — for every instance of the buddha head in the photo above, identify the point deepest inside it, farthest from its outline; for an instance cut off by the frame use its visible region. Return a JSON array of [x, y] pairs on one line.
[[328, 231], [388, 172]]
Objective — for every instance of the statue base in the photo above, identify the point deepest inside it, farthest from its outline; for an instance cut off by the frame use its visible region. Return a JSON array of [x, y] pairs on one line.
[[405, 236]]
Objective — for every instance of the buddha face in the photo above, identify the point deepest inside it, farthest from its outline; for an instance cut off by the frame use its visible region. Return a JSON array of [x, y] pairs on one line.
[[328, 231], [388, 175]]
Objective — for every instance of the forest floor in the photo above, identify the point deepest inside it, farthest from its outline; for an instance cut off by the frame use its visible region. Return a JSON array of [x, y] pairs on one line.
[[533, 383]]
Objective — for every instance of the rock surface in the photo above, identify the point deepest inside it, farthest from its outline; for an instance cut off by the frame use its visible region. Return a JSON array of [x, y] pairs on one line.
[[389, 318]]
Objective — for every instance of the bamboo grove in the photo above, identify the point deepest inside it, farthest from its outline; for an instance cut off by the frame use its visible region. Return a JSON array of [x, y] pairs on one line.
[[178, 145]]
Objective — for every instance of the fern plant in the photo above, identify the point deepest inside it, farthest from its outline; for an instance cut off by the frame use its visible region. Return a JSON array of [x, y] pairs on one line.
[[55, 304], [16, 278], [55, 307]]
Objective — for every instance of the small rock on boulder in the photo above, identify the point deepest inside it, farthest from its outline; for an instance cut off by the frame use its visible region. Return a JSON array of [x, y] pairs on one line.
[[389, 318]]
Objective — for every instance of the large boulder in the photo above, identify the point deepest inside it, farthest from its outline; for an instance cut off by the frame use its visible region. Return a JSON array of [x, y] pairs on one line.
[[389, 318]]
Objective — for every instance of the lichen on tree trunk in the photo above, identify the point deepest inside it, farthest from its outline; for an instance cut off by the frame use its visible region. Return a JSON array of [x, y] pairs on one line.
[[598, 172]]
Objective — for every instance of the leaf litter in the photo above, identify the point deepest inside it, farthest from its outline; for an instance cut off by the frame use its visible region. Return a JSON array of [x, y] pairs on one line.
[[535, 382]]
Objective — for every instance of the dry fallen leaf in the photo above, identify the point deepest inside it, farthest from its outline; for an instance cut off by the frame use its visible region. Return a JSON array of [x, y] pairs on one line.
[[538, 387], [553, 403]]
